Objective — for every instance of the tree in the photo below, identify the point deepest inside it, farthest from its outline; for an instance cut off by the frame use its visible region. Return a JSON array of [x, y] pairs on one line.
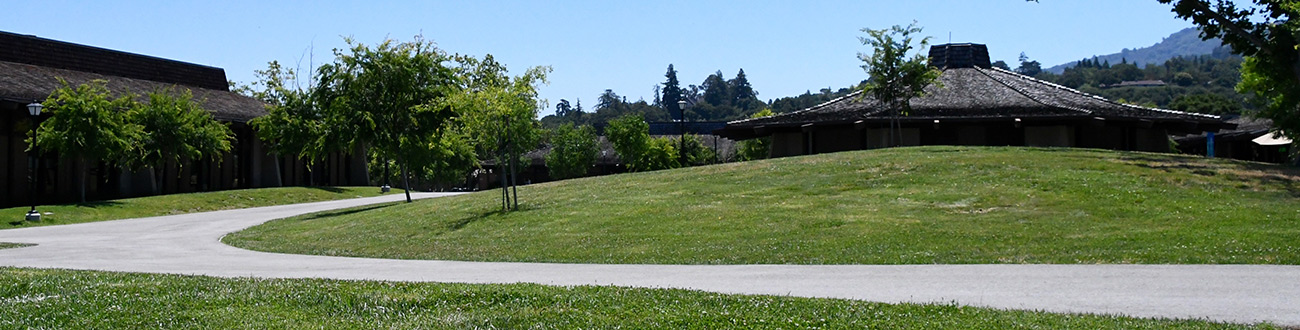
[[1002, 65], [88, 124], [741, 90], [386, 97], [1266, 34], [175, 129], [895, 77], [573, 151], [630, 136], [293, 125], [563, 109], [716, 90], [1028, 67], [757, 148], [500, 114], [672, 92]]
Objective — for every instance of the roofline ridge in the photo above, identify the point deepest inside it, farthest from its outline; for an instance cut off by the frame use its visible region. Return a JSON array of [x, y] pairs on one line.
[[981, 71], [823, 104], [1111, 101]]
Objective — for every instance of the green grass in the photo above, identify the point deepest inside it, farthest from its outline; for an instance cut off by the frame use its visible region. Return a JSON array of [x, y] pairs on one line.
[[60, 299], [178, 204], [896, 206]]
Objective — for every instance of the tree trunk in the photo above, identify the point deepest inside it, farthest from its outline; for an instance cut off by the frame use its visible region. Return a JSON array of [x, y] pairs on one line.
[[406, 182], [81, 178], [514, 181]]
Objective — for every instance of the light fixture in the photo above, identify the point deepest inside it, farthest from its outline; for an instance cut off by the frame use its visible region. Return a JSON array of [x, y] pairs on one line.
[[34, 109]]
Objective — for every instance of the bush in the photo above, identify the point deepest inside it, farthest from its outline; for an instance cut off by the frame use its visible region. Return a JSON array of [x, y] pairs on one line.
[[573, 151], [758, 148]]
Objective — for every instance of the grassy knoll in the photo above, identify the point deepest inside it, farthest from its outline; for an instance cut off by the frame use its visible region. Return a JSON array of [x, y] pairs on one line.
[[897, 206], [59, 299], [178, 204]]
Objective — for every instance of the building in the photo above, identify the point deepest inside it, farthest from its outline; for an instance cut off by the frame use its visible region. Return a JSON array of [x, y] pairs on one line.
[[975, 104], [1251, 140], [29, 71]]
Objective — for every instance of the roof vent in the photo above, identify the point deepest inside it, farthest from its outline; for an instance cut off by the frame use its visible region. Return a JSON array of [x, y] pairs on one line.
[[948, 56]]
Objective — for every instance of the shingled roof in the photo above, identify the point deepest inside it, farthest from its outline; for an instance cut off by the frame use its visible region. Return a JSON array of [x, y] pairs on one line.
[[30, 68], [974, 93]]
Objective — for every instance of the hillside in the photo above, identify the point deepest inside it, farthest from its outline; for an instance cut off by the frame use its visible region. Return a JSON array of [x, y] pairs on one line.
[[921, 205], [1182, 43]]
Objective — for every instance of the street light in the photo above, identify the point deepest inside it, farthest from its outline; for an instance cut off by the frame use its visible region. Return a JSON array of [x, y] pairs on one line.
[[681, 130], [33, 109]]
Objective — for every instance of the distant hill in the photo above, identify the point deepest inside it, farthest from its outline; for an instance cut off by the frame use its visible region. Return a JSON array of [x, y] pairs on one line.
[[1182, 43]]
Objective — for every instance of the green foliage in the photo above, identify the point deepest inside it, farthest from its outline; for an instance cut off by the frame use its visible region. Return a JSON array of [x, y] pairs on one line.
[[573, 151], [88, 125], [809, 99], [388, 98], [758, 148], [294, 124], [696, 152], [1213, 74], [630, 136], [1265, 32], [672, 92], [176, 128], [660, 154], [895, 76], [1214, 104]]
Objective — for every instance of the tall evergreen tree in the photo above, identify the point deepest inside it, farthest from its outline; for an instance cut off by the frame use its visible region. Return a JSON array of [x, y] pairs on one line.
[[741, 90], [672, 92]]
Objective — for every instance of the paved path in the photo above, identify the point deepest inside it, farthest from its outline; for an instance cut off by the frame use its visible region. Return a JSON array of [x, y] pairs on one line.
[[190, 244]]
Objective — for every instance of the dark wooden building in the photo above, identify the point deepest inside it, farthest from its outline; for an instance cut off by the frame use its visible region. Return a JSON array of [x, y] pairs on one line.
[[1251, 140], [975, 104], [29, 71]]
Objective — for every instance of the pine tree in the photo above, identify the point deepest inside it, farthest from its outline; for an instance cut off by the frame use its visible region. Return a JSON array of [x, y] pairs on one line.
[[672, 93], [741, 90]]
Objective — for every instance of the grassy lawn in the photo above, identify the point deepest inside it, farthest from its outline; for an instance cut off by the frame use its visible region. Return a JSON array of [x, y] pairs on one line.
[[59, 299], [179, 203], [896, 206]]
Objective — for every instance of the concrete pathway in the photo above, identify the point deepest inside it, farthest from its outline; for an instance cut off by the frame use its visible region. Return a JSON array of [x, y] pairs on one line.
[[190, 244]]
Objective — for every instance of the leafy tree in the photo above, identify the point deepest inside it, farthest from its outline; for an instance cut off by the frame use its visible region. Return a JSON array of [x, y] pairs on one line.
[[696, 152], [630, 136], [500, 112], [895, 76], [174, 129], [386, 97], [88, 124], [573, 151], [715, 90], [660, 154], [672, 93], [1002, 65], [757, 148], [293, 125]]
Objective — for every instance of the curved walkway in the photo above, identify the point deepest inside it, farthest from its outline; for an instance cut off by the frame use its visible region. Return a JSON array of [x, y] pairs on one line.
[[190, 244]]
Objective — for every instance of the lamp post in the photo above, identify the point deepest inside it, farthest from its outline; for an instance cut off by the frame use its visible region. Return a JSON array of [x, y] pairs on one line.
[[681, 130], [33, 109]]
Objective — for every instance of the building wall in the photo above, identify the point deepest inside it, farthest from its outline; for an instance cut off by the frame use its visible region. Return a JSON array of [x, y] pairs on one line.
[[787, 144], [1049, 136], [1153, 140], [879, 137], [835, 140]]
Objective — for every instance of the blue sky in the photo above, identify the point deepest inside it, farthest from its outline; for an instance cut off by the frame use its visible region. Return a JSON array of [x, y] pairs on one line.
[[785, 47]]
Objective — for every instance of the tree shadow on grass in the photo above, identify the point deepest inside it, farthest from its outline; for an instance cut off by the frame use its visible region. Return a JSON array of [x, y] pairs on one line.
[[335, 190], [331, 214], [462, 222], [1246, 173], [99, 204]]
